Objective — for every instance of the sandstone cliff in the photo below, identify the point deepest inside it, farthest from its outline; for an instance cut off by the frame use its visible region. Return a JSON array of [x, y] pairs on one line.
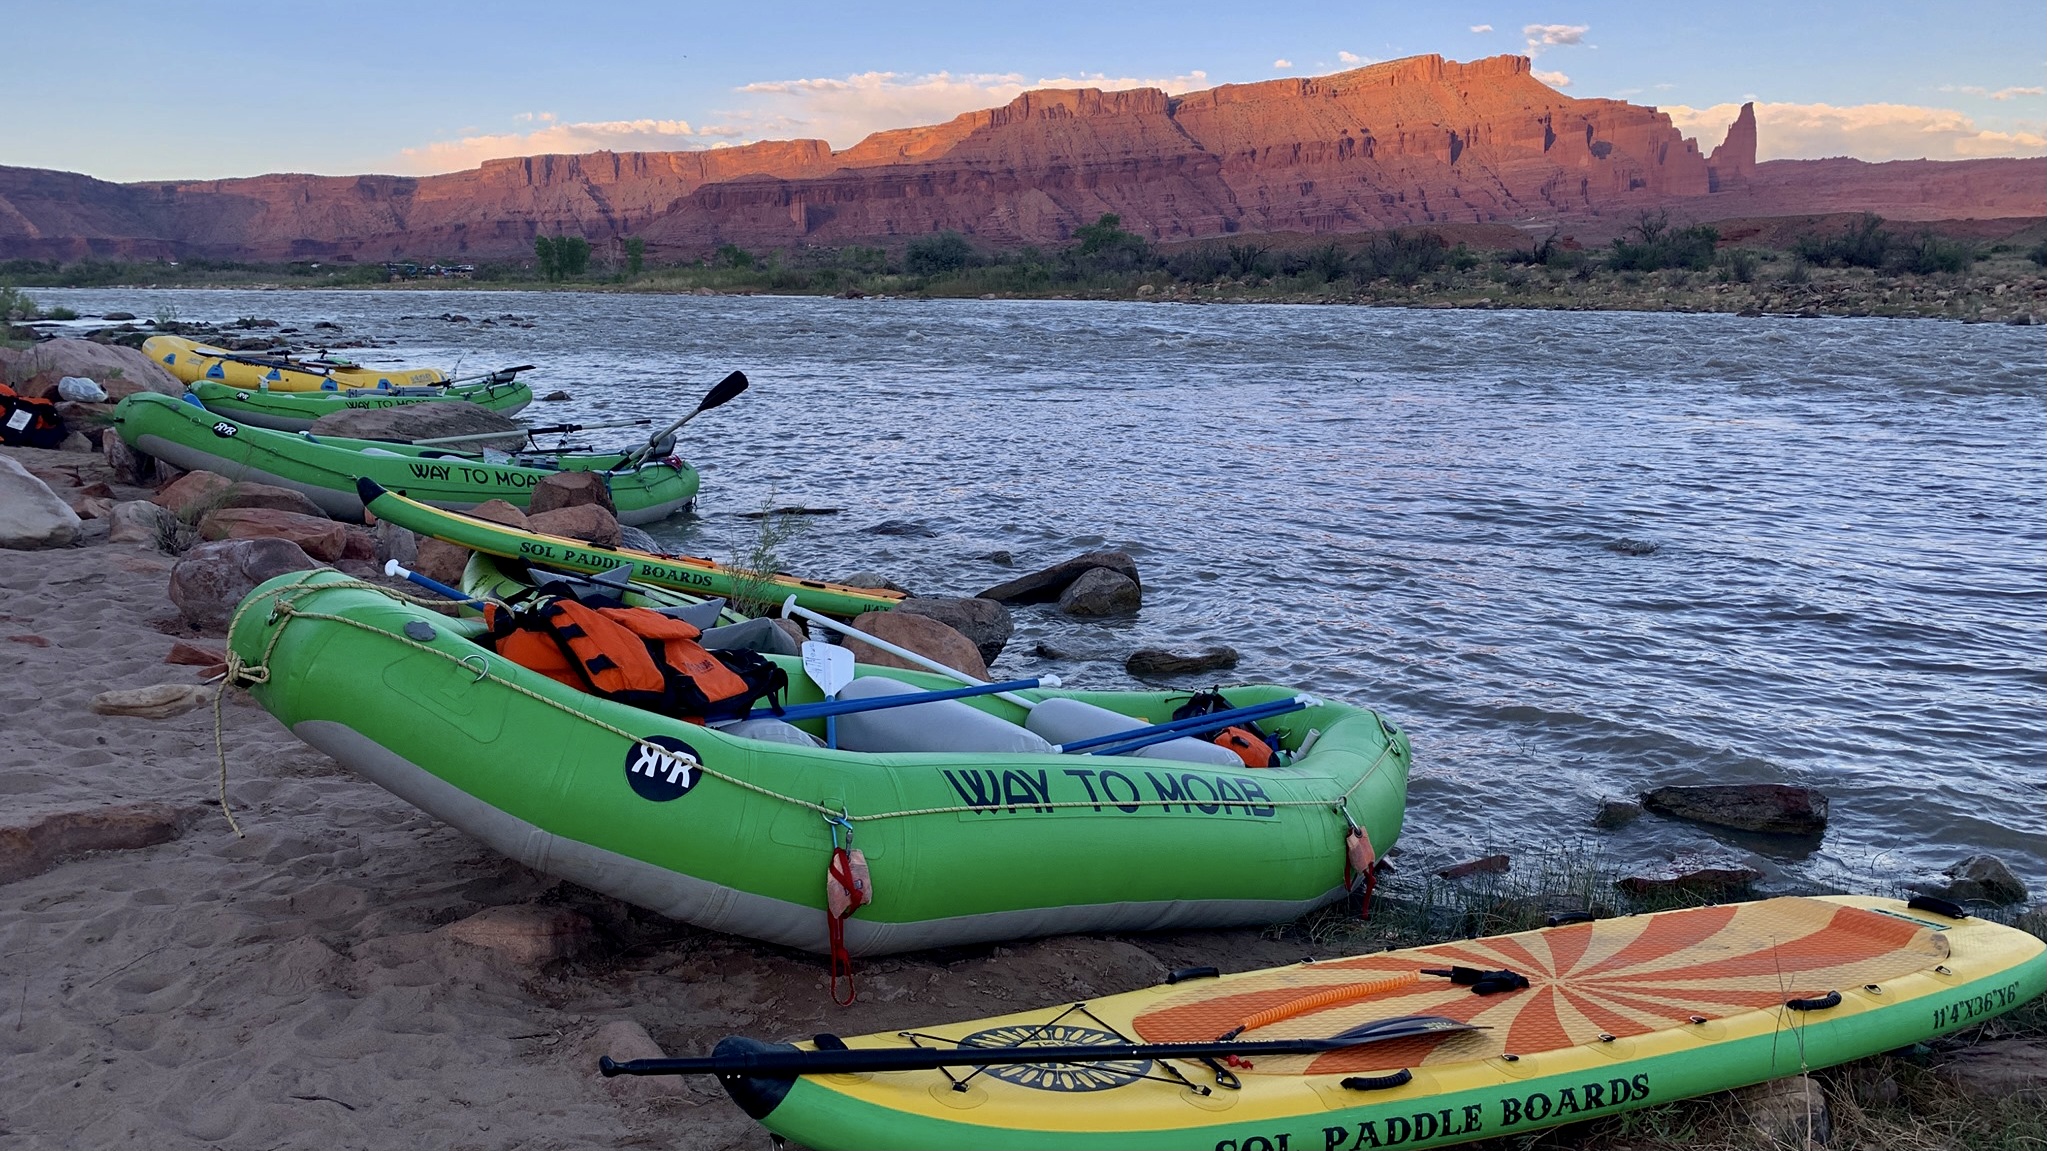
[[1416, 141]]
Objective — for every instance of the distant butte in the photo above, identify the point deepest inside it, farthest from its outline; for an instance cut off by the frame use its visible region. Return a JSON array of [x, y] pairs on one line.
[[1420, 141]]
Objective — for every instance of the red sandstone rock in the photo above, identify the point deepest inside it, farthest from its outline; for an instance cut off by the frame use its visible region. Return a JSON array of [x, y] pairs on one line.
[[321, 538], [1419, 141]]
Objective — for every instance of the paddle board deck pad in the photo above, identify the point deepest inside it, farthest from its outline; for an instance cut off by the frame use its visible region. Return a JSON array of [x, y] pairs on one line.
[[1617, 1014]]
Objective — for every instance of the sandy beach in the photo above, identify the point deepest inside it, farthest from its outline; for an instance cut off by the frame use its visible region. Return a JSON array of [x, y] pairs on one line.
[[348, 972]]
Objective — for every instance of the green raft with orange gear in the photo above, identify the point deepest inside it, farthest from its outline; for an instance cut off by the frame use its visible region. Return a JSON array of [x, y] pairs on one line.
[[974, 819], [1424, 1047]]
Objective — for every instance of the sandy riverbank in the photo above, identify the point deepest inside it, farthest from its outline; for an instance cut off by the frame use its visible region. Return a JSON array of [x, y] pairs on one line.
[[301, 985]]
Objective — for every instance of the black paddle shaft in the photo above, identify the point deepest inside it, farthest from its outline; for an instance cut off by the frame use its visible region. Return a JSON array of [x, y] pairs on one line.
[[747, 1058]]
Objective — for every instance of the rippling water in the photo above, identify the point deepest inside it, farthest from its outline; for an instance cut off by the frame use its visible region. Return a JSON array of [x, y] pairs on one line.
[[1575, 554]]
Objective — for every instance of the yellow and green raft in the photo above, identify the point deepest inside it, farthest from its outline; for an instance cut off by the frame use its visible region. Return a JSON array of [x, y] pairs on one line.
[[1616, 1014], [734, 834], [695, 575], [193, 362]]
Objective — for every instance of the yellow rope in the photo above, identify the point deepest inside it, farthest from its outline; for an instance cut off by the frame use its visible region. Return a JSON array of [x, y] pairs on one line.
[[239, 673]]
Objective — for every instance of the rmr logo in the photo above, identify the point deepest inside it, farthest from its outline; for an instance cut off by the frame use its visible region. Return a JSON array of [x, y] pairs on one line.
[[664, 771]]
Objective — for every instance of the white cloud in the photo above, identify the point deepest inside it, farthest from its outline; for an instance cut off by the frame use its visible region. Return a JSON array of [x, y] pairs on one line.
[[1282, 63], [840, 110], [1553, 79], [1864, 131], [556, 139], [845, 111], [2000, 94], [1481, 27], [1542, 36], [1351, 58]]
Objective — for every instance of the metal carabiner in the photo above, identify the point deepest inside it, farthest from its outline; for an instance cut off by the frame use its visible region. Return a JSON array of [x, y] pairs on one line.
[[840, 822]]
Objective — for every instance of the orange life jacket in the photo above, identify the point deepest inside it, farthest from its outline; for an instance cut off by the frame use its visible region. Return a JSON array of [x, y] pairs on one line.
[[635, 656]]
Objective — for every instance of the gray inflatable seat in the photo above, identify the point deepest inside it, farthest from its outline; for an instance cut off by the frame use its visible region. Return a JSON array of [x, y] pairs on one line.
[[769, 730], [753, 635], [940, 725], [1071, 720]]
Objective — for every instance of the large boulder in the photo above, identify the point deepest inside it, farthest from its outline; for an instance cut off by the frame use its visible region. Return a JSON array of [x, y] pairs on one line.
[[983, 621], [1045, 586], [140, 522], [586, 522], [1154, 662], [194, 494], [320, 537], [408, 422], [210, 581], [130, 466], [31, 515], [1776, 808], [921, 634], [570, 490], [1983, 878], [1101, 592], [121, 371]]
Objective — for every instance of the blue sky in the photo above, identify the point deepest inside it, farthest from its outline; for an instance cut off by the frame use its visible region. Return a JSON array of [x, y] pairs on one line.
[[178, 89]]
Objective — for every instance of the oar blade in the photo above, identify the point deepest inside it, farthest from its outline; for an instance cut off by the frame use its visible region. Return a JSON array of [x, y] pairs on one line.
[[828, 665], [728, 389]]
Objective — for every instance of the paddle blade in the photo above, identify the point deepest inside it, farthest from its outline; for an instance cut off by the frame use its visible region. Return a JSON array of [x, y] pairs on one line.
[[1400, 1027], [728, 389], [828, 665]]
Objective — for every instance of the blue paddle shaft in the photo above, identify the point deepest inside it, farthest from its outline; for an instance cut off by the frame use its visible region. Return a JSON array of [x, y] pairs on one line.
[[844, 706], [1120, 742], [434, 585]]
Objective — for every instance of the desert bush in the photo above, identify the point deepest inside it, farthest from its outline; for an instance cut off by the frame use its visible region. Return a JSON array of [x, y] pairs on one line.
[[937, 254]]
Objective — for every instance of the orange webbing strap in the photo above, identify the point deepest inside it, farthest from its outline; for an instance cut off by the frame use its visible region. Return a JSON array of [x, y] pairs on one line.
[[1360, 860], [1318, 1000], [846, 891]]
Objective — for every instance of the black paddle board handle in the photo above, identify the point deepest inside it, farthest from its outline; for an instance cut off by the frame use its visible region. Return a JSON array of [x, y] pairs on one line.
[[1817, 1003], [1399, 1078], [1938, 906], [1183, 974], [1560, 918]]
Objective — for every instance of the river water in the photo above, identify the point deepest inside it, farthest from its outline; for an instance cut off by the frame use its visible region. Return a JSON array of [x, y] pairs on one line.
[[1576, 555]]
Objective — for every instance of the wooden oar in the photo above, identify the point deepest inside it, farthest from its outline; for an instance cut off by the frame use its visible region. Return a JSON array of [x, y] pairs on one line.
[[738, 1057]]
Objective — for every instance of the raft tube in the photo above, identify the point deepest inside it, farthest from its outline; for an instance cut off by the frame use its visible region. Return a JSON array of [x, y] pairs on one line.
[[731, 834], [326, 468]]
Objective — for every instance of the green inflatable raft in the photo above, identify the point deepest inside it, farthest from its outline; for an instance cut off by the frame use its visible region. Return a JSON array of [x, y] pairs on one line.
[[296, 411], [326, 468], [734, 832]]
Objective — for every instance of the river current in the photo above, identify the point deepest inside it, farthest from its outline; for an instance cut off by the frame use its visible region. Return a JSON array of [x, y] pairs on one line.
[[1576, 555]]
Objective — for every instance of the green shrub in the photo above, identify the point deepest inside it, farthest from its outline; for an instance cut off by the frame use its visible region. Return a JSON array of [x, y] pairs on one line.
[[1927, 253], [17, 305], [734, 256], [2039, 254], [1657, 246], [1403, 257], [1865, 244], [937, 254], [1737, 265]]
